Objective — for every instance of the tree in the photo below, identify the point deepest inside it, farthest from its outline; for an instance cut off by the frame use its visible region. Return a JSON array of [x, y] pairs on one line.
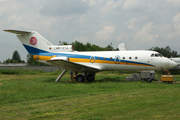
[[108, 48], [78, 46], [89, 47], [16, 56], [65, 43], [167, 52], [10, 61]]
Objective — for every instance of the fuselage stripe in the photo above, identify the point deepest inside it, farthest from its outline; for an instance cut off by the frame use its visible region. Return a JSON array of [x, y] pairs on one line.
[[101, 61]]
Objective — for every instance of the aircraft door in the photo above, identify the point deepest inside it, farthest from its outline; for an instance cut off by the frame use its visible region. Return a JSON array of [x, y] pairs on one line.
[[117, 59]]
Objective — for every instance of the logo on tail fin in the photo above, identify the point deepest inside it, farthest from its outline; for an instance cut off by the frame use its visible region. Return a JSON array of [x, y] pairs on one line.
[[33, 41]]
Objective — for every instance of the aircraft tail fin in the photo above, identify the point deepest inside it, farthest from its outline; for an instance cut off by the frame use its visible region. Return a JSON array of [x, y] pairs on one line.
[[32, 41], [35, 43]]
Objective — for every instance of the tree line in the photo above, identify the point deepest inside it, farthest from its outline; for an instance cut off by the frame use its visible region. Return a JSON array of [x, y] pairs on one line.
[[79, 46], [16, 58], [167, 52]]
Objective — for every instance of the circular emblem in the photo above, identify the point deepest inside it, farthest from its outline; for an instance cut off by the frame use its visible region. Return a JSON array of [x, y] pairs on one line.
[[92, 59], [33, 41], [117, 59]]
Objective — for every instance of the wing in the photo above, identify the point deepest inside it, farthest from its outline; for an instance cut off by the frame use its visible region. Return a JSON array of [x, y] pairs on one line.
[[74, 66]]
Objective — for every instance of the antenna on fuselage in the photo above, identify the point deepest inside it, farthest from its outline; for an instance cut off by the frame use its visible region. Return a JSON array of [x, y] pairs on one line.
[[112, 47]]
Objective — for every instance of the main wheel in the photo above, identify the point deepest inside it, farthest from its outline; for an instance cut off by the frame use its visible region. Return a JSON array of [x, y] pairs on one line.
[[90, 77], [149, 80], [80, 78]]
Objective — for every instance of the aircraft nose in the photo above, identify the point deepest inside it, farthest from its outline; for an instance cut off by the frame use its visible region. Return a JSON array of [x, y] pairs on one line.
[[172, 64]]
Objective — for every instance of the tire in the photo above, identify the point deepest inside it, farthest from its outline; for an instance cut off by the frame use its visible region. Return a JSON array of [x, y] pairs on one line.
[[90, 77], [80, 78]]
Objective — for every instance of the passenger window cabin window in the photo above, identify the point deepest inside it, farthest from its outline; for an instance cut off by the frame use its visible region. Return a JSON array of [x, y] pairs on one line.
[[123, 57], [130, 57], [136, 57]]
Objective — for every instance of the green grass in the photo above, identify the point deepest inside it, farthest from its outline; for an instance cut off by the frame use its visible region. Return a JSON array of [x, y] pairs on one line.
[[20, 71], [24, 96]]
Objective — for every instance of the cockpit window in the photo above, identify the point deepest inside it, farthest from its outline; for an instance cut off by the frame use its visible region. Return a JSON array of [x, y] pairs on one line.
[[160, 55], [156, 55]]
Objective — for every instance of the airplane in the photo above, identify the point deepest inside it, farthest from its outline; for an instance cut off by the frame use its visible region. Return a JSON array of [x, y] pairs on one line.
[[89, 63]]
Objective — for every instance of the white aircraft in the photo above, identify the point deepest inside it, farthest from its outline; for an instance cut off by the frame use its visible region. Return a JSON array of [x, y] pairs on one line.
[[89, 63]]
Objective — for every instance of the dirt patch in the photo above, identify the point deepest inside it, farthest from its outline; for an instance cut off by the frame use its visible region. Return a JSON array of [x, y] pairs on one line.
[[0, 84]]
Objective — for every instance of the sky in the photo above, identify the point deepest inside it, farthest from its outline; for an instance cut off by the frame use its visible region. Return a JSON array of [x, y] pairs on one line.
[[140, 24]]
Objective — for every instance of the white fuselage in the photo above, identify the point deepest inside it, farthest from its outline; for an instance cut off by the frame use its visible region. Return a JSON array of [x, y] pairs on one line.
[[117, 60]]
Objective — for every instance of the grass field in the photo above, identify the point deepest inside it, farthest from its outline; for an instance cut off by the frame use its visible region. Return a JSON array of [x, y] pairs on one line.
[[27, 96]]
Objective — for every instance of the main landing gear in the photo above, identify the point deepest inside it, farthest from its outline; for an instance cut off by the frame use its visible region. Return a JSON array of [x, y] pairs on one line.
[[81, 78]]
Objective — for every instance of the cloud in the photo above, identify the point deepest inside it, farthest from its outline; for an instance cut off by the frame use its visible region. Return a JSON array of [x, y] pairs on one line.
[[175, 33], [92, 2], [144, 34], [106, 33], [10, 7], [131, 23], [140, 24], [174, 2], [82, 39], [64, 7], [120, 36], [110, 6], [133, 5], [176, 19]]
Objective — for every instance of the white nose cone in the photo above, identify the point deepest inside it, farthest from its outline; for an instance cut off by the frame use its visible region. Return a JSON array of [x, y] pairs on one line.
[[172, 64]]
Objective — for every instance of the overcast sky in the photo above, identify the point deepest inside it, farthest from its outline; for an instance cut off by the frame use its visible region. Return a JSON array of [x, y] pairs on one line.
[[140, 24]]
